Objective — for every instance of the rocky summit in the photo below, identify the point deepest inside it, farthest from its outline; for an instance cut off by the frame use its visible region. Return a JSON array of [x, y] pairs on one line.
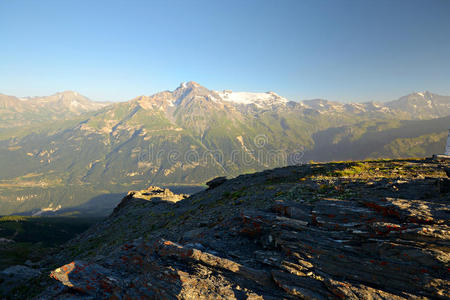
[[344, 230]]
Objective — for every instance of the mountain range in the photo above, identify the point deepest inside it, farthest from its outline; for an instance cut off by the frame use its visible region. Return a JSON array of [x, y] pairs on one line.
[[66, 151]]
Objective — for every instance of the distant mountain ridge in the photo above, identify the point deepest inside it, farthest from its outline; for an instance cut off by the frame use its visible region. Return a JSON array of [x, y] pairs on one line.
[[425, 104], [16, 111], [67, 149], [420, 104], [70, 100]]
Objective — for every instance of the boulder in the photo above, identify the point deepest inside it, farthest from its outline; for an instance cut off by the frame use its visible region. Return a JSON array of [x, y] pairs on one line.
[[212, 184]]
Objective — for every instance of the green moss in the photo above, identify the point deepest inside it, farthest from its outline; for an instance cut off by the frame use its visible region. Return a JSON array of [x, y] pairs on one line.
[[12, 218]]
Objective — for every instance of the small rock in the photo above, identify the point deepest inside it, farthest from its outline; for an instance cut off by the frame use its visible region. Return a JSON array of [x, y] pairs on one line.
[[193, 234], [6, 241], [85, 277], [19, 271]]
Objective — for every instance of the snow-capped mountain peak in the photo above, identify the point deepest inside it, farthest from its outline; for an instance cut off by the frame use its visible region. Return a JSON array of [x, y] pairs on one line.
[[189, 84], [425, 94]]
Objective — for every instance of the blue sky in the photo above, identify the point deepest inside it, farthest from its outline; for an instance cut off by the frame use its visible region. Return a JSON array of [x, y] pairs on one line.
[[115, 50]]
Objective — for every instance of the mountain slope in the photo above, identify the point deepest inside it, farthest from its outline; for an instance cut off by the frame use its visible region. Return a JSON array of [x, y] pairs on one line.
[[381, 139], [191, 134]]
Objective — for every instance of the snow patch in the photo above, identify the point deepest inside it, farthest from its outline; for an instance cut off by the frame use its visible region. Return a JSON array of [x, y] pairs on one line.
[[259, 99], [50, 208]]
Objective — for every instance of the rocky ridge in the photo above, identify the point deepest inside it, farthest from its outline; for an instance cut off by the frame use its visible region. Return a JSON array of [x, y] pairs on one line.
[[368, 230]]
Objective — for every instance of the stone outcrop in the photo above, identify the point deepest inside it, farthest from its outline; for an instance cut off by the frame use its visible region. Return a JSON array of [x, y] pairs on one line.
[[216, 182], [153, 194]]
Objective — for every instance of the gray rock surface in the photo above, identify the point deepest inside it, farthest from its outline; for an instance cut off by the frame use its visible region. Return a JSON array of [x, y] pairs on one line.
[[14, 276]]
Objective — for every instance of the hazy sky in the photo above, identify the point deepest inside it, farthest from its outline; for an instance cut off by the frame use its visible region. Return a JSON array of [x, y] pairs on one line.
[[115, 50]]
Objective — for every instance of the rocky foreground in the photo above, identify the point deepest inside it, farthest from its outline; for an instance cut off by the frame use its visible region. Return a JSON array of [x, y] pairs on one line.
[[368, 230]]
